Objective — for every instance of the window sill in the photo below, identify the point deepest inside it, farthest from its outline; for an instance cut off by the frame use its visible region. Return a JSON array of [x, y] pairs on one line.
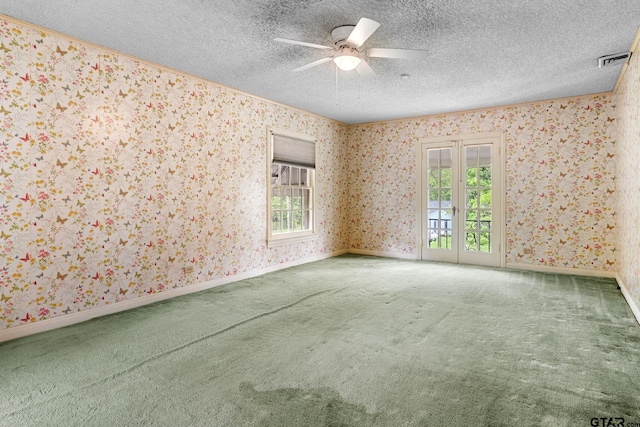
[[287, 239]]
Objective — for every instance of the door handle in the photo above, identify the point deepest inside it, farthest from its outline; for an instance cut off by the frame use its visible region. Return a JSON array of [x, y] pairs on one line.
[[454, 211]]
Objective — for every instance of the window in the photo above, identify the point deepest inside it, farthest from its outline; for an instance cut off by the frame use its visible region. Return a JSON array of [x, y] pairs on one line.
[[291, 192]]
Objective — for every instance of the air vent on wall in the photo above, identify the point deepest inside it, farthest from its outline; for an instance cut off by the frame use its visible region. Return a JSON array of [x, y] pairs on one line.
[[616, 58]]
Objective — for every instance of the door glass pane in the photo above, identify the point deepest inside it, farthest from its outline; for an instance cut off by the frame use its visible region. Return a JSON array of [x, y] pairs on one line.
[[485, 176], [471, 155], [445, 177], [471, 222], [485, 199], [445, 222], [472, 177], [485, 242], [432, 226], [484, 155], [433, 159], [485, 220], [434, 196], [478, 195], [471, 243], [439, 197], [472, 198], [445, 198], [485, 215], [434, 178]]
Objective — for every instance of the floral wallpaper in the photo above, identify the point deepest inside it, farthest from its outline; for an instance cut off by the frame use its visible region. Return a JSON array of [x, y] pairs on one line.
[[560, 190], [628, 178], [116, 174]]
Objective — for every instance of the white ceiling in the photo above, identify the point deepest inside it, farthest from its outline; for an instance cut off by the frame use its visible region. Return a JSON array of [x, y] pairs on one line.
[[482, 52]]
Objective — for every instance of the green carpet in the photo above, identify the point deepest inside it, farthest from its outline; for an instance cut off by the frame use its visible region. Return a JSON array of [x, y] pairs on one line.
[[349, 341]]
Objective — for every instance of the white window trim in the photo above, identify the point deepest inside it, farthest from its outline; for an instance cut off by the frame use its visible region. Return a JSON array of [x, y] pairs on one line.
[[274, 240]]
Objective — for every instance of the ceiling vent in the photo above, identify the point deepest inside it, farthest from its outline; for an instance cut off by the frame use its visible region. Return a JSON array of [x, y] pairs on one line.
[[615, 59]]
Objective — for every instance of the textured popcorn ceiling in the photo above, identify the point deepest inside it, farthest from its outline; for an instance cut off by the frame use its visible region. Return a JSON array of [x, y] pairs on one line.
[[483, 52]]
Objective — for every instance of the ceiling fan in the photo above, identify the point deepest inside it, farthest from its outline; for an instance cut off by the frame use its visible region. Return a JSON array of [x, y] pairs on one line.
[[347, 40]]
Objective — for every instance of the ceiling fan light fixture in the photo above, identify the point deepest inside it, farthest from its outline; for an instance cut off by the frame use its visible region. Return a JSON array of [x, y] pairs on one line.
[[346, 59]]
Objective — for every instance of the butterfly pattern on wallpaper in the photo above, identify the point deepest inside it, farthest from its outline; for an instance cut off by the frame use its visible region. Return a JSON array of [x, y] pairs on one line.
[[560, 180], [97, 169], [117, 173]]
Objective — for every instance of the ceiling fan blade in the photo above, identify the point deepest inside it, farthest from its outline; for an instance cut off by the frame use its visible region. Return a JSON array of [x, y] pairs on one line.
[[313, 64], [365, 70], [362, 32], [317, 46], [378, 52]]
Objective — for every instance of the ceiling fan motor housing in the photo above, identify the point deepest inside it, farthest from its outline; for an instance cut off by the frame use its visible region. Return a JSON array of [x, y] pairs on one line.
[[340, 34]]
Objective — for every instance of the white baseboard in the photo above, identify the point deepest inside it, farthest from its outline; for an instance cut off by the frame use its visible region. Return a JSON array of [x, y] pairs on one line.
[[381, 254], [515, 266], [632, 304], [561, 270], [82, 316]]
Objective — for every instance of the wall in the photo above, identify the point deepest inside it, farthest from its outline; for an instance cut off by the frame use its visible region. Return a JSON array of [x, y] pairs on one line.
[[116, 174], [628, 180], [560, 191]]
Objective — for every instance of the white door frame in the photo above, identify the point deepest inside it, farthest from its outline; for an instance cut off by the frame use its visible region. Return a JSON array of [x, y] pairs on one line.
[[420, 179]]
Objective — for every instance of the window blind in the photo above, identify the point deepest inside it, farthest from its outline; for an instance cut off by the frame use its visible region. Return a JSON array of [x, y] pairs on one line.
[[294, 151]]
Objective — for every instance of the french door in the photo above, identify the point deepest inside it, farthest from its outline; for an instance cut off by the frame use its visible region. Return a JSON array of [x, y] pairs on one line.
[[462, 200]]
